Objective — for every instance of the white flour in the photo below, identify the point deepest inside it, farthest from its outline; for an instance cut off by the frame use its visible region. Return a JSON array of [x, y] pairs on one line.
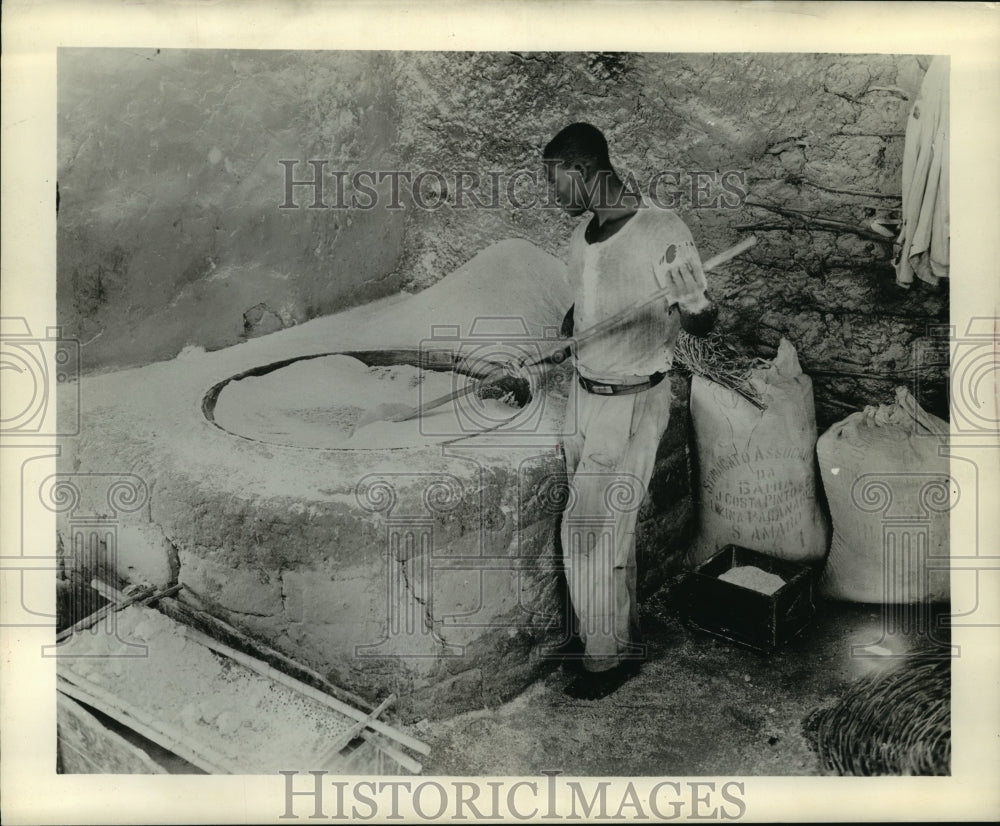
[[316, 403], [183, 689], [754, 578]]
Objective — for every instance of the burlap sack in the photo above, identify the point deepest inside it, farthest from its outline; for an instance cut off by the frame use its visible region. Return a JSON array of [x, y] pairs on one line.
[[757, 469], [889, 491]]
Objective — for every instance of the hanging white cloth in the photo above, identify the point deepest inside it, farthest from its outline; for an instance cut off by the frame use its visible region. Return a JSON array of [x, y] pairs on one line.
[[925, 236]]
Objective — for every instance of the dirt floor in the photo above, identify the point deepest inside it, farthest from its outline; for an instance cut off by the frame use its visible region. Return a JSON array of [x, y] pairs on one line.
[[700, 706]]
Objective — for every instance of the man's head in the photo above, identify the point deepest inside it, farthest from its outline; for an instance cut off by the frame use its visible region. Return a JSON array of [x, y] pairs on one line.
[[573, 159]]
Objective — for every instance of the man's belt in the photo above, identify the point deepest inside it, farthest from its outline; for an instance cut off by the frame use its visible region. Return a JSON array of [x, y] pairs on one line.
[[600, 388]]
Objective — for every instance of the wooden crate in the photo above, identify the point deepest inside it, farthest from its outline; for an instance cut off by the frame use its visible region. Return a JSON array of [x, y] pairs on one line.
[[742, 615]]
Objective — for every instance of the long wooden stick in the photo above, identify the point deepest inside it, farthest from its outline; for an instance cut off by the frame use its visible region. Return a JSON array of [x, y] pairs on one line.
[[404, 760], [829, 224], [110, 593], [713, 262], [364, 720], [93, 619], [171, 606], [279, 676], [186, 613], [589, 333], [355, 730], [180, 744], [143, 597]]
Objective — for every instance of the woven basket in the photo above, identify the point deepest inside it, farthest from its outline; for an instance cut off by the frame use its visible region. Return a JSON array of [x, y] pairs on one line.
[[895, 722]]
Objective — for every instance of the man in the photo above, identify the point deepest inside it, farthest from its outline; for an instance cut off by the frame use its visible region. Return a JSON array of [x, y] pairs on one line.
[[626, 252]]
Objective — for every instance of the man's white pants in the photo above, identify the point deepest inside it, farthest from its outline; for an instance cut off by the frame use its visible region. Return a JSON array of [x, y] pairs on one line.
[[609, 460]]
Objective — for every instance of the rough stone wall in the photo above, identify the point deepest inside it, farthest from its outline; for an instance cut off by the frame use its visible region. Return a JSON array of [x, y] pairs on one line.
[[169, 227], [169, 231], [817, 139]]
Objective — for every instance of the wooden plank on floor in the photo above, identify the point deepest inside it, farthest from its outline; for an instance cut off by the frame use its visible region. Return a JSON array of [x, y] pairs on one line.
[[170, 737], [189, 615], [217, 708], [87, 746]]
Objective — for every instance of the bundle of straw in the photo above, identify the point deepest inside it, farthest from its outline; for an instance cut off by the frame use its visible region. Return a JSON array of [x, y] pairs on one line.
[[714, 359]]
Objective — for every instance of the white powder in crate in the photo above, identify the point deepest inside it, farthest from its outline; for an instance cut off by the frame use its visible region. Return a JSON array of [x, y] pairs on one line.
[[754, 578]]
